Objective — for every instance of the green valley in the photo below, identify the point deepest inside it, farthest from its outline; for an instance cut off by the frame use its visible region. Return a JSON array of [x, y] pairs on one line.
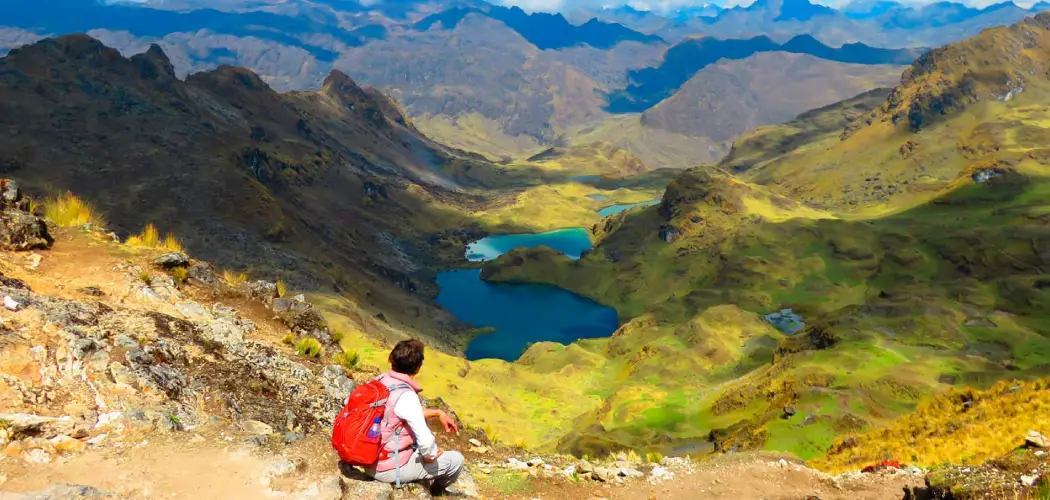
[[910, 230]]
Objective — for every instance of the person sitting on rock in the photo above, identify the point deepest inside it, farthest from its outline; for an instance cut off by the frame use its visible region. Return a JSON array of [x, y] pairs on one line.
[[418, 457]]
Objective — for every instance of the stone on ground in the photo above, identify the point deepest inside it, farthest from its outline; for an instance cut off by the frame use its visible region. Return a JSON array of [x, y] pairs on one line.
[[172, 260], [1037, 440], [60, 492]]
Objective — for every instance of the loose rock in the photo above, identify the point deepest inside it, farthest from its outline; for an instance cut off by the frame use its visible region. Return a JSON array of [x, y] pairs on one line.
[[1037, 440], [172, 260]]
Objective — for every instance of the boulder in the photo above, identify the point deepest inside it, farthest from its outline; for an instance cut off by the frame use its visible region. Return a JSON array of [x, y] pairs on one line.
[[329, 488], [1036, 440], [164, 287], [584, 467], [172, 260], [193, 311], [22, 231], [10, 194], [464, 487], [336, 384], [60, 492], [264, 291], [630, 473], [411, 491], [24, 423], [604, 474], [308, 321], [257, 427], [364, 489], [202, 273], [93, 291]]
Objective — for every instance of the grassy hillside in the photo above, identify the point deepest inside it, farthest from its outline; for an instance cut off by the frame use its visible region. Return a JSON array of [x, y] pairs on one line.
[[729, 98], [698, 123], [915, 247]]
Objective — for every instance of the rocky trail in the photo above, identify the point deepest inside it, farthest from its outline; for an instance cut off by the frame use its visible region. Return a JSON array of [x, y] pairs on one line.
[[135, 373]]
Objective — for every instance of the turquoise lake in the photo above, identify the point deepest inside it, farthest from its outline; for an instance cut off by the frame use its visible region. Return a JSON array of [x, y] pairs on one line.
[[571, 242], [522, 313], [615, 209]]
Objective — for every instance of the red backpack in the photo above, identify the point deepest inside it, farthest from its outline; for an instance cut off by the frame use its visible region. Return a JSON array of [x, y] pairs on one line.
[[350, 432]]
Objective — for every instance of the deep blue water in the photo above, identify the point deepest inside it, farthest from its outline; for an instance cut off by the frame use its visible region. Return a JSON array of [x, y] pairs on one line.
[[615, 209], [520, 313], [571, 242]]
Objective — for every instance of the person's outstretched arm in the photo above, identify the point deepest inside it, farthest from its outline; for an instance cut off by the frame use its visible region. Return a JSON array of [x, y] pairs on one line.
[[447, 422]]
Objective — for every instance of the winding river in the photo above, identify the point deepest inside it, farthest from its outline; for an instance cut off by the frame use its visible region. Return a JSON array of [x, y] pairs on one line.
[[522, 313]]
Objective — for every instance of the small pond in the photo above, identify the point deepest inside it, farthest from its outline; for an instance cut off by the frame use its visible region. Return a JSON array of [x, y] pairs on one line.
[[598, 197], [585, 178], [571, 242], [615, 209]]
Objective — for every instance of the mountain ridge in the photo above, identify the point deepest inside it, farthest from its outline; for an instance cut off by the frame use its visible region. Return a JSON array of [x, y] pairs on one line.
[[649, 86], [256, 178]]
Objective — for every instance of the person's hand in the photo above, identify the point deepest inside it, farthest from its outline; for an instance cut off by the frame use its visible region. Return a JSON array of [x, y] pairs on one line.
[[432, 460], [448, 423]]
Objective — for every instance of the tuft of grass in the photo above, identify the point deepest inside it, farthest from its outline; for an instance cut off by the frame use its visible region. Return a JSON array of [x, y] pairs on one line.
[[233, 278], [70, 211], [347, 359], [490, 433], [282, 288], [654, 457], [150, 238], [145, 277], [309, 347], [289, 339], [520, 443], [180, 274], [337, 334]]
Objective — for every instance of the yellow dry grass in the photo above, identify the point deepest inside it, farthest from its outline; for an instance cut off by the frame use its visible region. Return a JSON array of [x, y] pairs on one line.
[[68, 210], [234, 278], [961, 425], [150, 238]]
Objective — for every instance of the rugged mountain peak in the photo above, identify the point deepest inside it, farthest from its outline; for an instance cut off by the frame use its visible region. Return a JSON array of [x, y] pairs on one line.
[[154, 64], [60, 50], [339, 84], [349, 94], [998, 64]]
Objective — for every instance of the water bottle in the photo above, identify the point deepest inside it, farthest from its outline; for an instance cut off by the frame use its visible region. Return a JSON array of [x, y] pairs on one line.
[[374, 432]]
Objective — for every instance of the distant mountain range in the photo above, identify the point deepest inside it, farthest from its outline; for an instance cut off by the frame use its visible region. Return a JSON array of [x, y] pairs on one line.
[[545, 31], [649, 86], [505, 82], [874, 22]]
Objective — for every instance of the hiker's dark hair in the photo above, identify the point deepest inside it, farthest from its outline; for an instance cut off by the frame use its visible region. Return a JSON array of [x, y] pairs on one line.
[[407, 357]]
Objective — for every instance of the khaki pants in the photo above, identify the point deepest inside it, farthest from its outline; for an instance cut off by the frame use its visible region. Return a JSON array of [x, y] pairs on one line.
[[442, 472]]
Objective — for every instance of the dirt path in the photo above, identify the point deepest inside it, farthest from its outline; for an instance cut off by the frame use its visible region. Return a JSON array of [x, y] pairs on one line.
[[759, 478], [166, 469], [740, 477]]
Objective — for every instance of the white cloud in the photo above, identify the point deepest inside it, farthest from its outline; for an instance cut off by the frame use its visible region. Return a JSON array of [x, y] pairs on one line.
[[672, 5]]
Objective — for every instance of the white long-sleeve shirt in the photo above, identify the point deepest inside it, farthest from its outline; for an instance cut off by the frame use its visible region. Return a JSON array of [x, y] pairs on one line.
[[410, 409]]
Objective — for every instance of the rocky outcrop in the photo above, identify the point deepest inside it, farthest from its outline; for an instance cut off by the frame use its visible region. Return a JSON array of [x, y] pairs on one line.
[[121, 359], [20, 229]]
